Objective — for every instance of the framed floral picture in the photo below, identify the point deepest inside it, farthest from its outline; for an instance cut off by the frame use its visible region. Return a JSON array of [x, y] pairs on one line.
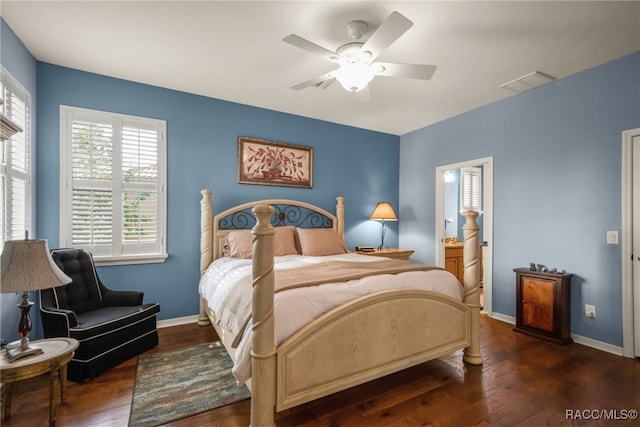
[[274, 163]]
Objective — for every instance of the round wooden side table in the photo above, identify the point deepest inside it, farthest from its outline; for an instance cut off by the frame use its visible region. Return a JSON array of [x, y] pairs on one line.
[[57, 352]]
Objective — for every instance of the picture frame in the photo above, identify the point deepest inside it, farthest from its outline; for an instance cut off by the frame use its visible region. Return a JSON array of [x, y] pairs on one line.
[[263, 162]]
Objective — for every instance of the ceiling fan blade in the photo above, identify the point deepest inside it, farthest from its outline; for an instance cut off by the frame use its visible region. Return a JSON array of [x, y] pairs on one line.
[[325, 84], [390, 30], [304, 44], [409, 71], [321, 82]]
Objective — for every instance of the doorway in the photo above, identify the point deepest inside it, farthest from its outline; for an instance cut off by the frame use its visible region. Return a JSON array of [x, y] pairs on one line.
[[631, 243], [445, 227]]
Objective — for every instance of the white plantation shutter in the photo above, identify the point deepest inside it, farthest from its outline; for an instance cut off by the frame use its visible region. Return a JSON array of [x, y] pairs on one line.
[[470, 189], [140, 190], [92, 200], [15, 161], [113, 173]]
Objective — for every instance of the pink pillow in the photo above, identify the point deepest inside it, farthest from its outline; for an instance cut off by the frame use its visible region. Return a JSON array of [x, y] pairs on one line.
[[284, 242], [239, 243], [320, 242]]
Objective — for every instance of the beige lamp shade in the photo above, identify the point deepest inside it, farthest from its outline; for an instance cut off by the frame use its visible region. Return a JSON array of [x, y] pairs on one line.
[[384, 212], [28, 266]]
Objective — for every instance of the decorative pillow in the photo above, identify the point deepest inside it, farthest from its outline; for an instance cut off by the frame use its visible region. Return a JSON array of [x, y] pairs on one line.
[[284, 242], [239, 243], [320, 242]]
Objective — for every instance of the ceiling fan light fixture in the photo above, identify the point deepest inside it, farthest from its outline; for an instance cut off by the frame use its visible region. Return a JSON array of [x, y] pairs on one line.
[[355, 76]]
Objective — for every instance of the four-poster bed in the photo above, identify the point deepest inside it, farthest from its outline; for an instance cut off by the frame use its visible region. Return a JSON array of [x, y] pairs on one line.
[[362, 339]]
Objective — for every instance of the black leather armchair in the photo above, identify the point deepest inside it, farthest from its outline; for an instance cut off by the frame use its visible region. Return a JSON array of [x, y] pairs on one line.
[[111, 326]]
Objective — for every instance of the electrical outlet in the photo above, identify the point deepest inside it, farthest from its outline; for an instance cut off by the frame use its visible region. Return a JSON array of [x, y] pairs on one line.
[[590, 311], [612, 237]]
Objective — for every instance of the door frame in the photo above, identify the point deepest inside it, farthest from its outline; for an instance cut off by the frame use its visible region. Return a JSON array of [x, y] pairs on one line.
[[630, 336], [487, 223]]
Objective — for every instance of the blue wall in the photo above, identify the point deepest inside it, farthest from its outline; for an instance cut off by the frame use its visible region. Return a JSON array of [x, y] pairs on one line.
[[557, 180], [202, 136]]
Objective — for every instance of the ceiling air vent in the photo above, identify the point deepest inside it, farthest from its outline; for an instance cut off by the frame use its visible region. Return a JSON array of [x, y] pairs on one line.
[[528, 82]]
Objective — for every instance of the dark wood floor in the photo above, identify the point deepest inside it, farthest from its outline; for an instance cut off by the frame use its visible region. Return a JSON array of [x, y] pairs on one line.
[[524, 381]]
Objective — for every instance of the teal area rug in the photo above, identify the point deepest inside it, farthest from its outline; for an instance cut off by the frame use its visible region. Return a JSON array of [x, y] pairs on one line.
[[176, 384]]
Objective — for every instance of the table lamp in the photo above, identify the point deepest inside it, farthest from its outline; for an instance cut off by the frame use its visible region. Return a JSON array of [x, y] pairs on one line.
[[383, 212], [27, 266]]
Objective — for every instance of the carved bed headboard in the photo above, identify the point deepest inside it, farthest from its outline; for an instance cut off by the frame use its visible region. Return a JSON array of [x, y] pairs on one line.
[[214, 229]]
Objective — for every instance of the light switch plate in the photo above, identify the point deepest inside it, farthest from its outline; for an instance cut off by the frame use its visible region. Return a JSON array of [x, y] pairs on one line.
[[612, 237]]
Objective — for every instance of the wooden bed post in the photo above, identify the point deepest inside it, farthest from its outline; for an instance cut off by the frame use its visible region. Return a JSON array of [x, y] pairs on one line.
[[263, 353], [340, 216], [206, 250], [471, 259]]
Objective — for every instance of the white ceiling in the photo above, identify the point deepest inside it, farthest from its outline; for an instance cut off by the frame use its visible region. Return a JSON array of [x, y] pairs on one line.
[[232, 50]]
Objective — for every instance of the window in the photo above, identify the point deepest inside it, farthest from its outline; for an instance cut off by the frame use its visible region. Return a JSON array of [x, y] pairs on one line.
[[113, 199], [470, 189], [15, 161]]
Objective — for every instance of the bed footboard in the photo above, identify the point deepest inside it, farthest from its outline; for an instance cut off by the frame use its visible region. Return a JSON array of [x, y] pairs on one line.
[[367, 339]]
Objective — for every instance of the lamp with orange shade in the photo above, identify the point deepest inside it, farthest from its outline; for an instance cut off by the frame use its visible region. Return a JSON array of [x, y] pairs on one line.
[[383, 212]]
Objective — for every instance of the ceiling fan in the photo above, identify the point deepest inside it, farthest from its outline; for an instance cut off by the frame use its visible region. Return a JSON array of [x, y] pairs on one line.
[[357, 60]]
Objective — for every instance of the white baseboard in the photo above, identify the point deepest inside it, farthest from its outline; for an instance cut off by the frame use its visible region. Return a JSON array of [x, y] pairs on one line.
[[503, 318], [598, 345], [177, 321]]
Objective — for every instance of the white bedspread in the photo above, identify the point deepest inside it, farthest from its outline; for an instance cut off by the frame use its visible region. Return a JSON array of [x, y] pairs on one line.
[[294, 308]]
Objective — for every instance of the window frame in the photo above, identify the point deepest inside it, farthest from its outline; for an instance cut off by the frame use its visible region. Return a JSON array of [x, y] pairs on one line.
[[118, 254]]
